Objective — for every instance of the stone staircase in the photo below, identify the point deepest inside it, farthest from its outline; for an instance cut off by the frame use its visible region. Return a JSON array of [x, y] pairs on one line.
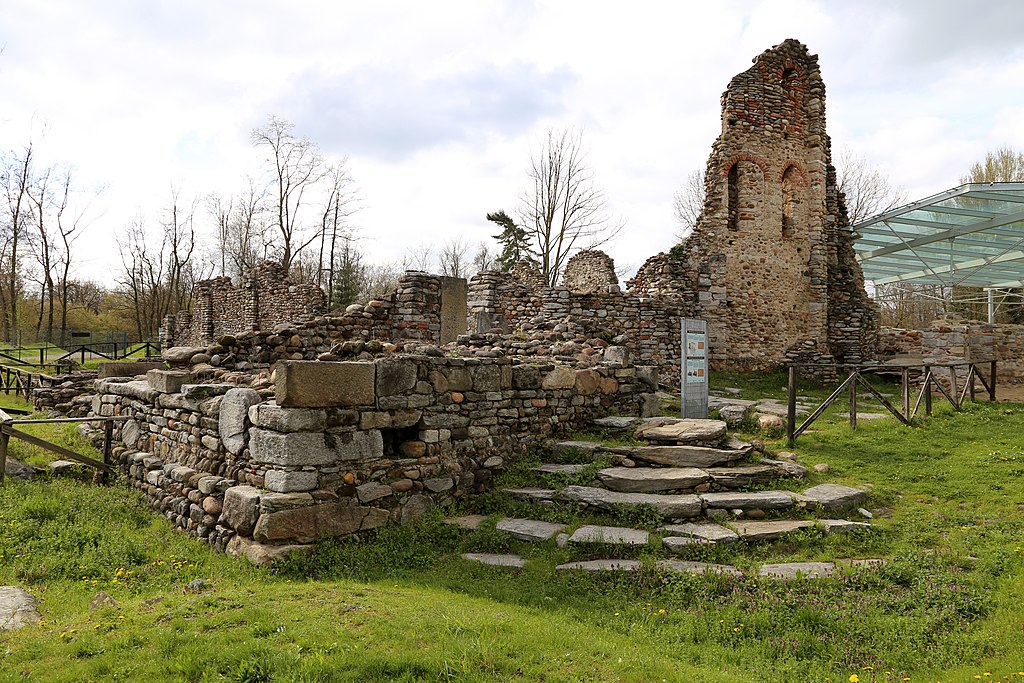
[[696, 479]]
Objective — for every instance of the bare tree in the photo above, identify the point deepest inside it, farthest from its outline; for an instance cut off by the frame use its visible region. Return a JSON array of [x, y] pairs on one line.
[[222, 211], [15, 182], [295, 166], [867, 188], [688, 203], [484, 259], [454, 257], [563, 210], [339, 204]]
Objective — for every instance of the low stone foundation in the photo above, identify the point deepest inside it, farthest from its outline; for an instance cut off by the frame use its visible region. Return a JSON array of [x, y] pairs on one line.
[[336, 448]]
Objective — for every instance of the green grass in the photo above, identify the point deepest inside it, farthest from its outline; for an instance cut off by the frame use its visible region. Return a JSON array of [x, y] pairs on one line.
[[401, 606]]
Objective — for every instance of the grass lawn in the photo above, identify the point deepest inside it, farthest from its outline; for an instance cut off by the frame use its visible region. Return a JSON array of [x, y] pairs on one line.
[[402, 606]]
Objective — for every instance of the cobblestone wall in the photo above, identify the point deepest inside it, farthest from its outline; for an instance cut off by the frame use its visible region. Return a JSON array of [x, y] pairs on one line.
[[968, 339], [343, 447]]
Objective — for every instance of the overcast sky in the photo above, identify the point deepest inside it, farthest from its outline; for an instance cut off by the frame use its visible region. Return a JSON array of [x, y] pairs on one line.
[[436, 104]]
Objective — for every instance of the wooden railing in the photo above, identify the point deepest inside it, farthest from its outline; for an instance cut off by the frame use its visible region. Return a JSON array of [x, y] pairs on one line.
[[926, 371], [8, 429]]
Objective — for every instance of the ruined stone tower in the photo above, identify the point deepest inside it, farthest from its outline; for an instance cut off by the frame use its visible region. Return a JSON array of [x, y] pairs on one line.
[[770, 263]]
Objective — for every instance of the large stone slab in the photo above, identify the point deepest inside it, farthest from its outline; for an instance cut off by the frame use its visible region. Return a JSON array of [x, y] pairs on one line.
[[602, 566], [616, 423], [699, 568], [126, 368], [233, 418], [770, 530], [272, 416], [612, 535], [241, 509], [528, 529], [496, 560], [798, 570], [651, 480], [469, 522], [262, 554], [842, 526], [667, 506], [835, 497], [181, 354], [306, 524], [706, 531], [168, 381], [318, 384], [675, 544], [17, 609], [531, 494], [683, 431], [692, 456], [743, 476], [556, 468], [748, 500], [314, 448]]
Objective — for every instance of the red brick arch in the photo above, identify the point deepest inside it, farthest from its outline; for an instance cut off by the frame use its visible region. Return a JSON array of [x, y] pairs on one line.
[[746, 156], [801, 174]]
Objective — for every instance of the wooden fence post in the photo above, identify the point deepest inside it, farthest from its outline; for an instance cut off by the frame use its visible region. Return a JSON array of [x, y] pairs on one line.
[[791, 406], [108, 438], [4, 440], [853, 400], [927, 390], [992, 381]]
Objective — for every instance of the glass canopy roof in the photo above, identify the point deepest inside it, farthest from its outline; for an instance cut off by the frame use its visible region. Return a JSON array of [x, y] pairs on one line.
[[971, 236]]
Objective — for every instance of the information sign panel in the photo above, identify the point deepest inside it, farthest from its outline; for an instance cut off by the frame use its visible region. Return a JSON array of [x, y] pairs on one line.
[[694, 368]]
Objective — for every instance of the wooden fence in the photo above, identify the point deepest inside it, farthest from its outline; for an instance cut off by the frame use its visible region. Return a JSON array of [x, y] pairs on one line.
[[956, 393]]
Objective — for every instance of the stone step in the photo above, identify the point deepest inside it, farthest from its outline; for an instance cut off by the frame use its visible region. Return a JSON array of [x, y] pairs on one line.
[[495, 560], [556, 468], [835, 497], [699, 567], [602, 566], [798, 570], [17, 609], [531, 494], [681, 431], [769, 530], [748, 500], [744, 475], [615, 423], [667, 506], [589, 449], [728, 451], [707, 532], [652, 480], [611, 535], [528, 529]]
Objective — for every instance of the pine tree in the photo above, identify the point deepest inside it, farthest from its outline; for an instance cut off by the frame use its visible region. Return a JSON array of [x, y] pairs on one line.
[[514, 240]]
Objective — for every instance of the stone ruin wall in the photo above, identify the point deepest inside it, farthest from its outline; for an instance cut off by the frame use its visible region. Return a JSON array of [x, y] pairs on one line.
[[967, 339], [342, 447], [541, 321], [770, 263], [264, 298]]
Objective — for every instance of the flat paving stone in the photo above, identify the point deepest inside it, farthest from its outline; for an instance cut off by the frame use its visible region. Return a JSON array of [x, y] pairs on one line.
[[651, 479], [692, 456], [528, 529], [471, 522], [747, 500], [617, 423], [495, 560], [798, 570], [602, 566], [556, 468], [699, 567], [867, 416], [772, 407], [681, 506], [532, 494], [675, 544], [612, 535], [707, 531], [841, 526], [835, 497], [743, 475], [684, 431], [770, 530], [17, 609]]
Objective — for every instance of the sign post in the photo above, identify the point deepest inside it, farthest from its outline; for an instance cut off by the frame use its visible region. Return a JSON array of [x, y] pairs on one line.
[[693, 370]]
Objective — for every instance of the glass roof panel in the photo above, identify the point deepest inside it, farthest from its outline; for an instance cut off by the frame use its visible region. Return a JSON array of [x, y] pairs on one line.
[[969, 235]]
